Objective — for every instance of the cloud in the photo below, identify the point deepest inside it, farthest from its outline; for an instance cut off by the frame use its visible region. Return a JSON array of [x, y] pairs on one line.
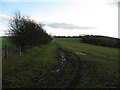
[[4, 24], [113, 2], [34, 0], [4, 17], [67, 26]]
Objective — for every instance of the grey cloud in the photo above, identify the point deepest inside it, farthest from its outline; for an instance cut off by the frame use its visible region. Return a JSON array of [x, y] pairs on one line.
[[67, 26], [114, 3]]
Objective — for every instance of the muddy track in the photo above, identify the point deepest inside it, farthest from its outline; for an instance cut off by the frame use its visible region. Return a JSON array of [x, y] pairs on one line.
[[77, 77], [65, 75]]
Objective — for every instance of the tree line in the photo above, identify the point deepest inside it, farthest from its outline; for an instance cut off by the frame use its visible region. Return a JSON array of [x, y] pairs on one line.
[[97, 40], [26, 32], [102, 41], [67, 36]]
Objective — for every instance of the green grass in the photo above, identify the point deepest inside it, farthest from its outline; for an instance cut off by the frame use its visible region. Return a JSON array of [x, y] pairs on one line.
[[98, 69], [32, 66], [75, 46], [5, 41], [99, 66], [69, 39], [0, 42]]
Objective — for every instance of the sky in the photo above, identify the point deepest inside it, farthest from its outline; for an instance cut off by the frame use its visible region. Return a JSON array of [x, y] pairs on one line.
[[65, 17]]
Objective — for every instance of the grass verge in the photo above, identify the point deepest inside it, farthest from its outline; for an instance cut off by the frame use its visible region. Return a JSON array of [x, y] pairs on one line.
[[32, 66]]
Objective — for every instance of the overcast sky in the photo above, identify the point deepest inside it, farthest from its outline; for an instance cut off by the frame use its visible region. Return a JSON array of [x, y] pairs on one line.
[[66, 17]]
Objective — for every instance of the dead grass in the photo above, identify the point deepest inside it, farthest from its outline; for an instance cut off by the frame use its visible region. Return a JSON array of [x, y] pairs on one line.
[[80, 53]]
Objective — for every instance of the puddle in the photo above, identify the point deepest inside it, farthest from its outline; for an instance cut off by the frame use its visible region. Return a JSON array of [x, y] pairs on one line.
[[62, 62], [56, 70], [80, 53]]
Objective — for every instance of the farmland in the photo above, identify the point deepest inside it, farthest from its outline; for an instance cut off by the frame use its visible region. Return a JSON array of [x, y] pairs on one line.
[[99, 66], [6, 41], [96, 67]]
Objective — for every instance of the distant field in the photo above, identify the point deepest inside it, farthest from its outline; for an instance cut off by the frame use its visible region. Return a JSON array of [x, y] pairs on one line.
[[69, 39], [82, 47], [98, 68], [5, 41]]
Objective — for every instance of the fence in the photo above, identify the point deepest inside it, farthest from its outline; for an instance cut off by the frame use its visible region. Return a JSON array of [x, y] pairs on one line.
[[10, 51]]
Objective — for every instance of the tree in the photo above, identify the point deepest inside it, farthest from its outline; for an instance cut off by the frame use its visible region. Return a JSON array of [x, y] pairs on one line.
[[102, 41], [26, 32]]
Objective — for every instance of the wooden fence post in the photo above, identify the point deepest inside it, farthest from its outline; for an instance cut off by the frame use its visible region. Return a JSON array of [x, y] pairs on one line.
[[19, 52], [5, 51]]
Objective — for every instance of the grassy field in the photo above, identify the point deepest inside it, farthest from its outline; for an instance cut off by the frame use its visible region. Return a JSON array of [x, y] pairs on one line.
[[5, 41], [98, 68], [99, 65], [0, 42], [0, 63]]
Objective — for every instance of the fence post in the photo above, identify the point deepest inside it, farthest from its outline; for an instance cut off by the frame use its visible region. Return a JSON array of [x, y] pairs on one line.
[[5, 51], [19, 52]]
